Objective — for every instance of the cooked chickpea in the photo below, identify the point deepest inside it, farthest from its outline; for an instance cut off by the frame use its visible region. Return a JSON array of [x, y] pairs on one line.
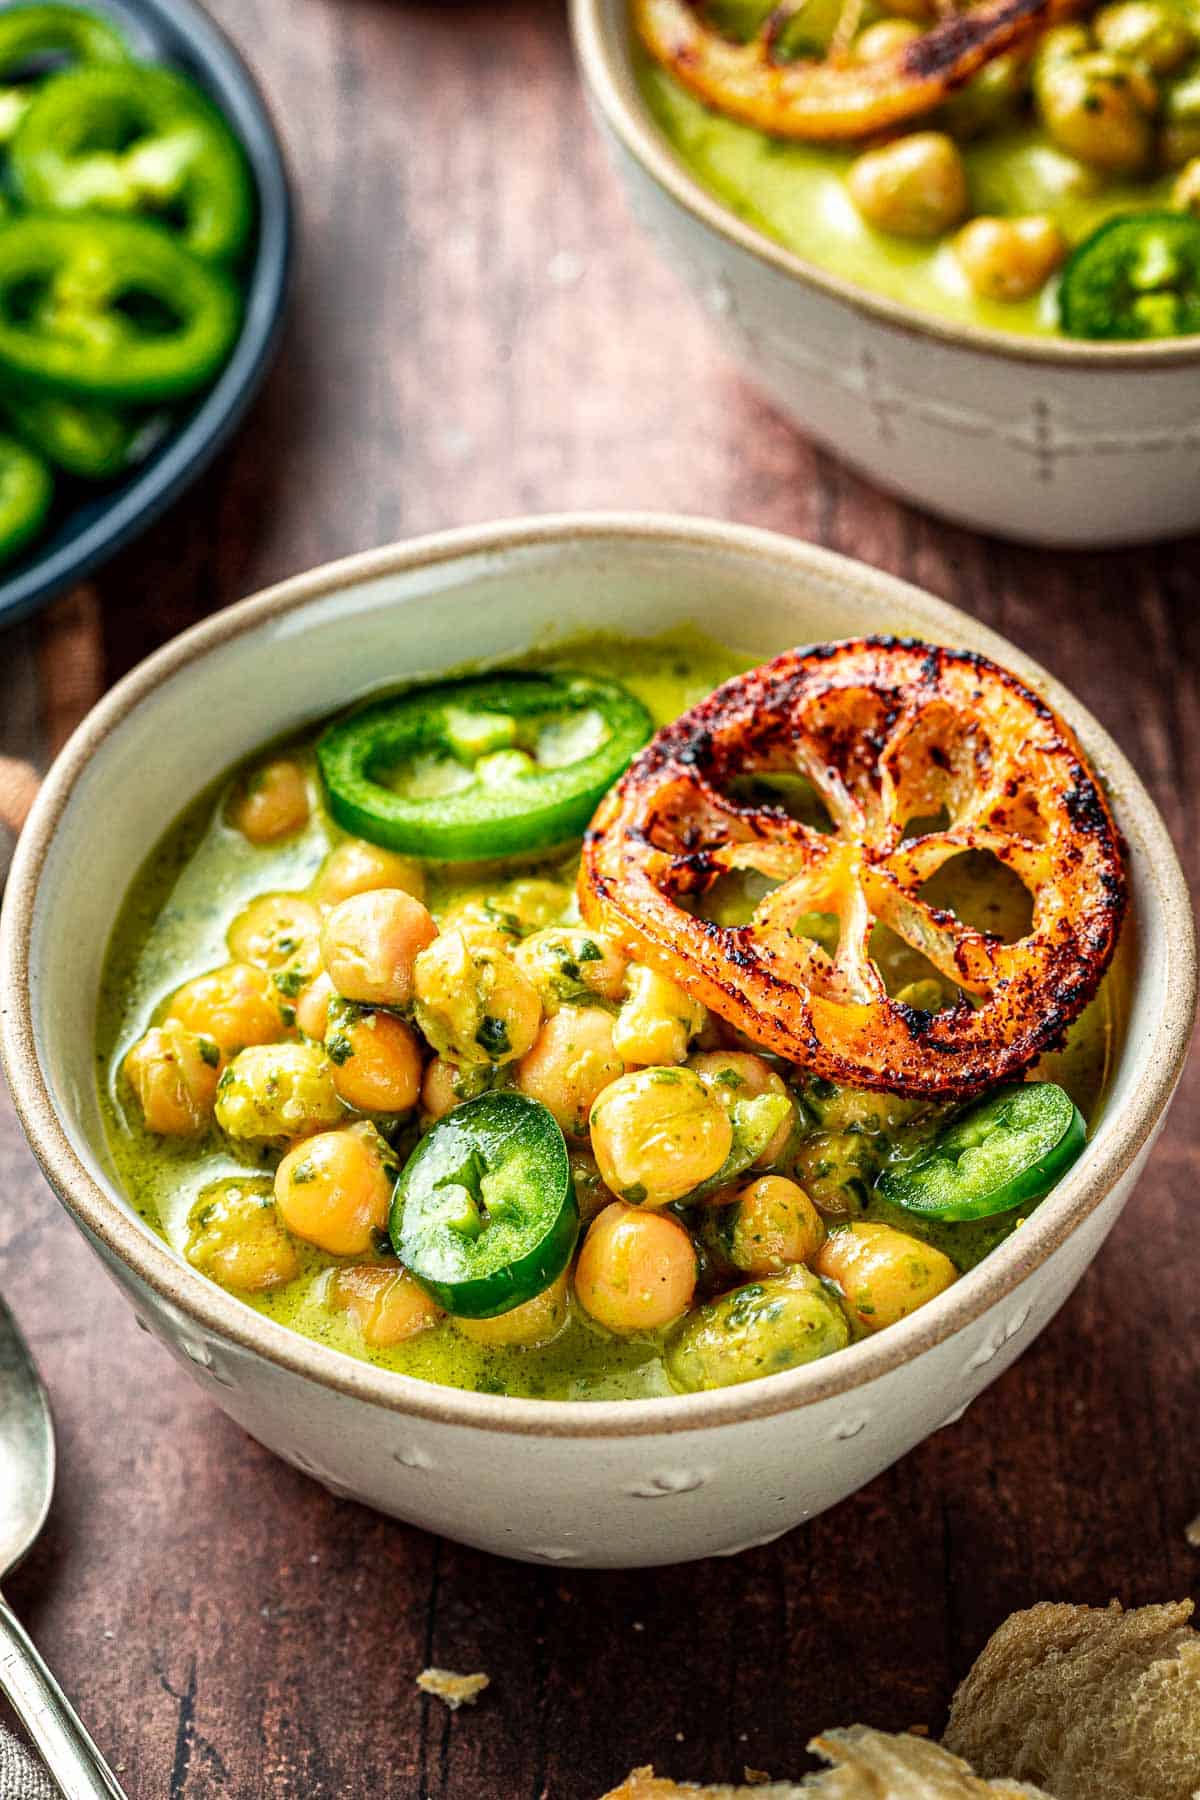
[[277, 1091], [768, 1225], [370, 944], [535, 1323], [1186, 192], [838, 1169], [915, 187], [884, 38], [387, 1303], [357, 867], [1154, 35], [1179, 140], [657, 1134], [882, 1274], [988, 100], [273, 929], [568, 965], [173, 1072], [335, 1191], [376, 1059], [312, 1006], [775, 1323], [734, 1075], [236, 1236], [271, 802], [1099, 108], [571, 1064], [473, 1003], [235, 1006], [636, 1271], [520, 907], [439, 1089], [657, 1021], [1010, 259]]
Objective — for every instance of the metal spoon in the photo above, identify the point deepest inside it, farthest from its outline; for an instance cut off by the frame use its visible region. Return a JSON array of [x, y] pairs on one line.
[[26, 1484]]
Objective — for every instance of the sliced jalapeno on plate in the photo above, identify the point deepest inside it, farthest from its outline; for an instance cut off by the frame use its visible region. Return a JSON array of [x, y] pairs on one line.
[[1137, 276], [82, 436], [1008, 1151], [26, 490], [484, 1213], [31, 36], [132, 140], [110, 309], [481, 767]]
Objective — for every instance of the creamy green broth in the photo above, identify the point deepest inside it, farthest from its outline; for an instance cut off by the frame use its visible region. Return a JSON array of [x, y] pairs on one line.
[[173, 926], [796, 193]]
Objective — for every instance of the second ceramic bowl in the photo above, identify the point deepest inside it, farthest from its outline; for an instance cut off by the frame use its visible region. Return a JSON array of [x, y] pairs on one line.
[[614, 1483]]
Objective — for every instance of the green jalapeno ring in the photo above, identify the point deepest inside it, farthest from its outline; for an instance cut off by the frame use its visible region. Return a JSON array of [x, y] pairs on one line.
[[484, 1215], [131, 140], [1006, 1151], [26, 490], [81, 437], [1137, 276], [31, 34], [110, 309], [499, 801]]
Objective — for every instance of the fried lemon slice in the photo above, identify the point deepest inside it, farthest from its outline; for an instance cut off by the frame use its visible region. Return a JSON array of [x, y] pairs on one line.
[[915, 755]]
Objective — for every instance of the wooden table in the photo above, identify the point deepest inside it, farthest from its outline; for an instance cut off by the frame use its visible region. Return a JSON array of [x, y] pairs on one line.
[[479, 330]]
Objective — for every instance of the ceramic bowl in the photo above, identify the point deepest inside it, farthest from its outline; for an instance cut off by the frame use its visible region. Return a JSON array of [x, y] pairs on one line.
[[1043, 439], [604, 1484]]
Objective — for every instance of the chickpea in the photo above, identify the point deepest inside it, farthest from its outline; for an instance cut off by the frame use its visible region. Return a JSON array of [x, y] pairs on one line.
[[523, 906], [1010, 259], [884, 38], [838, 1169], [277, 1091], [882, 1274], [271, 802], [439, 1089], [312, 1007], [988, 100], [376, 1059], [173, 1072], [768, 1225], [235, 1235], [761, 1329], [636, 1271], [657, 1021], [535, 1323], [1186, 192], [849, 1109], [473, 1003], [1099, 108], [570, 1065], [482, 920], [1154, 35], [357, 867], [273, 929], [736, 1076], [657, 1134], [335, 1191], [914, 188], [370, 944], [233, 1005], [568, 965], [387, 1303], [1179, 140]]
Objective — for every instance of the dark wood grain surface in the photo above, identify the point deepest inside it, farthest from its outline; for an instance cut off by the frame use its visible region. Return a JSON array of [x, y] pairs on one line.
[[479, 330]]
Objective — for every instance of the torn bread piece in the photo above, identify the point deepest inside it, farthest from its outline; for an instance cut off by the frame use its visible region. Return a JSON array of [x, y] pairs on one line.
[[455, 1690], [1088, 1701], [868, 1765]]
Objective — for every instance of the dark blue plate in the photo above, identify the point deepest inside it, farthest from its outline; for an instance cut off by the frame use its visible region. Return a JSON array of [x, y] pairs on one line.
[[99, 520]]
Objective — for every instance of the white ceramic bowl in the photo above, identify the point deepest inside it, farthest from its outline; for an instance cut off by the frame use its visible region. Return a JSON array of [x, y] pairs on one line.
[[615, 1483], [1045, 439]]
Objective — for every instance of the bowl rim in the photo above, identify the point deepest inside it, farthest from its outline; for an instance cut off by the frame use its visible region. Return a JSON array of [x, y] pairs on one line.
[[600, 43], [123, 1237]]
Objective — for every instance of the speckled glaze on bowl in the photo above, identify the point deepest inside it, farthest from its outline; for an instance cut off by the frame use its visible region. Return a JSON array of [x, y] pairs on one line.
[[1042, 439], [609, 1484]]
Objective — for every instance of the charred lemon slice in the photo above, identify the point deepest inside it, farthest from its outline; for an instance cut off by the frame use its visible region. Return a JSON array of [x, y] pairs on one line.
[[915, 755], [834, 97]]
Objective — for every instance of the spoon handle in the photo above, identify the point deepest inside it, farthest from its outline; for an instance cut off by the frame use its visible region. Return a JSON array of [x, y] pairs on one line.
[[77, 1767]]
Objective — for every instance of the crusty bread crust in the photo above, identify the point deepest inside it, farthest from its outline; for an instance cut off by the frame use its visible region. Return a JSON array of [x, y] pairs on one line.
[[1092, 1703]]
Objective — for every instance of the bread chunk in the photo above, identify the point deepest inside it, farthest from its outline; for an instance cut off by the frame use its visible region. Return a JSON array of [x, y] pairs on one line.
[[1087, 1702]]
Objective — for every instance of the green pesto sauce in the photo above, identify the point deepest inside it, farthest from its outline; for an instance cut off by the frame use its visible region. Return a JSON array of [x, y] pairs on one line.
[[172, 927], [796, 193]]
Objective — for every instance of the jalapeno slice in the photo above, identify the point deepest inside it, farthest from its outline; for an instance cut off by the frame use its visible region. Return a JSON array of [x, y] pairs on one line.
[[1137, 276], [131, 140], [83, 437], [110, 309], [482, 767], [484, 1213], [30, 36], [1008, 1151], [26, 490]]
